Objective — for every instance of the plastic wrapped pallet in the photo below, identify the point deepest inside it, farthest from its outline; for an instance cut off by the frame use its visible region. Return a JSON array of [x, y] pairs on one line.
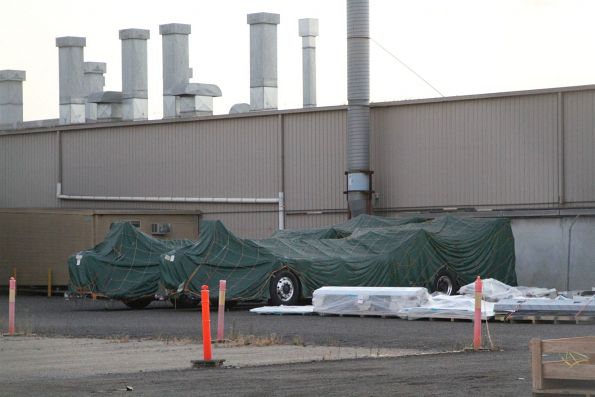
[[494, 291], [308, 309], [560, 305], [444, 306], [367, 301]]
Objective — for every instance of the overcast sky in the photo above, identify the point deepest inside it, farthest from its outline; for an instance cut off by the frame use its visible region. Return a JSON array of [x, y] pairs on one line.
[[460, 47]]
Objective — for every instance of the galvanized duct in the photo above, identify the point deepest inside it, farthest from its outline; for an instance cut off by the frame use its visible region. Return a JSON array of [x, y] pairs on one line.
[[358, 113], [11, 97], [71, 73], [308, 30], [263, 60], [135, 91]]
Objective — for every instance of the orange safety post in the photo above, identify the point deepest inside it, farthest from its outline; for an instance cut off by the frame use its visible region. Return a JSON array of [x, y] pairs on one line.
[[206, 323], [11, 299], [477, 317], [221, 311]]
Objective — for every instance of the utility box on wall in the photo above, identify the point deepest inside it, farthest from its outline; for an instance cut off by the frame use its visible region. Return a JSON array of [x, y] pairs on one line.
[[35, 240]]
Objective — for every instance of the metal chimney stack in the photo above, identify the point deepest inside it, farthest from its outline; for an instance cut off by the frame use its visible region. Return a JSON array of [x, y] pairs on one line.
[[263, 60], [94, 82], [308, 30], [359, 175], [72, 86], [11, 97], [176, 70], [135, 90]]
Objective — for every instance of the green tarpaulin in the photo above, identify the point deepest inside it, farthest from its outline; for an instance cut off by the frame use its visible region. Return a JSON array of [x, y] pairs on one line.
[[123, 266], [365, 251]]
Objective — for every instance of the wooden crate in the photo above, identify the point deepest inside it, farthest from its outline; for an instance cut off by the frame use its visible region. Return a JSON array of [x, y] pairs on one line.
[[563, 366]]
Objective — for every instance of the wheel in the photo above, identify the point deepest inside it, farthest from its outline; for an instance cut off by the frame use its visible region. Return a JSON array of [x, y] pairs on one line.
[[284, 289], [445, 282], [184, 302], [139, 303]]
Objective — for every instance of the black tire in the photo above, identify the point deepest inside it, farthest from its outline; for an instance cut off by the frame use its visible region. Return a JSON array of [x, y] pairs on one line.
[[139, 303], [284, 289], [445, 282], [184, 302]]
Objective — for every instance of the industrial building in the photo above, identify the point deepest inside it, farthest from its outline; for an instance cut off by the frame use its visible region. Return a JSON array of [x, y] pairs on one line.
[[525, 155]]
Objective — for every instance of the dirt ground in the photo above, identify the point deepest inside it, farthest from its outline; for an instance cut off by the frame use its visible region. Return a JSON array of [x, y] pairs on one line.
[[506, 372]]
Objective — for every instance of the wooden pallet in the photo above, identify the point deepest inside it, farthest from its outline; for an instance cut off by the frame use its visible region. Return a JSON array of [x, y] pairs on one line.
[[565, 392], [567, 368], [451, 319], [362, 315], [545, 318], [372, 315]]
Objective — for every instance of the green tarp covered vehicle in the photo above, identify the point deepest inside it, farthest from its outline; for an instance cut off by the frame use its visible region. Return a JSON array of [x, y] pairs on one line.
[[125, 266], [439, 254]]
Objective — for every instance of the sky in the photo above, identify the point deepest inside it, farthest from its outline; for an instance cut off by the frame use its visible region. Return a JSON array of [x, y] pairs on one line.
[[460, 47]]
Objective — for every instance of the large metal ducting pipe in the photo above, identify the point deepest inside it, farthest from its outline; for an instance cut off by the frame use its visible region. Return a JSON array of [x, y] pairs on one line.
[[176, 69], [308, 30], [135, 90], [94, 82], [263, 60], [72, 85], [11, 97], [359, 176]]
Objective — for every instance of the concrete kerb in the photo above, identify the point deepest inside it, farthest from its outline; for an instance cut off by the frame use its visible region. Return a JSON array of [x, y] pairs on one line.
[[42, 357]]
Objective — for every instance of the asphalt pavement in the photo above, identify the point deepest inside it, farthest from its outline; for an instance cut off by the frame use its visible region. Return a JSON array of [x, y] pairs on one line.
[[505, 372]]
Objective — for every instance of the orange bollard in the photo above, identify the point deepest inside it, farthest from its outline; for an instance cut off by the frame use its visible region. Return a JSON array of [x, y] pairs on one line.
[[221, 311], [11, 301], [477, 317], [206, 323]]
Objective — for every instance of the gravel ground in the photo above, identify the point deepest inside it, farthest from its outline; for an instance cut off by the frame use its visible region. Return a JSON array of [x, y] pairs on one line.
[[503, 373]]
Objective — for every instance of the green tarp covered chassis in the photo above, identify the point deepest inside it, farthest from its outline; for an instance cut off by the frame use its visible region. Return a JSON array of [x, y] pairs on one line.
[[367, 250]]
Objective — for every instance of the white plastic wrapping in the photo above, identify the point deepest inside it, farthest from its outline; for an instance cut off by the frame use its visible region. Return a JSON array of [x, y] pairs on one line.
[[494, 291], [560, 305], [308, 309], [367, 301], [445, 306]]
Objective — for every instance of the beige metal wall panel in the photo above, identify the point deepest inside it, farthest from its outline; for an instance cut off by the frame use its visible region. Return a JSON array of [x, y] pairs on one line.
[[314, 150], [28, 170], [182, 226], [483, 152], [245, 220], [579, 147], [34, 242], [247, 224], [309, 221], [235, 157]]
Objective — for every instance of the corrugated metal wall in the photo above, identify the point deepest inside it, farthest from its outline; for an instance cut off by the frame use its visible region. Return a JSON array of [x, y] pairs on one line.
[[314, 147], [530, 150], [579, 147], [482, 152], [220, 158], [32, 243], [28, 170]]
